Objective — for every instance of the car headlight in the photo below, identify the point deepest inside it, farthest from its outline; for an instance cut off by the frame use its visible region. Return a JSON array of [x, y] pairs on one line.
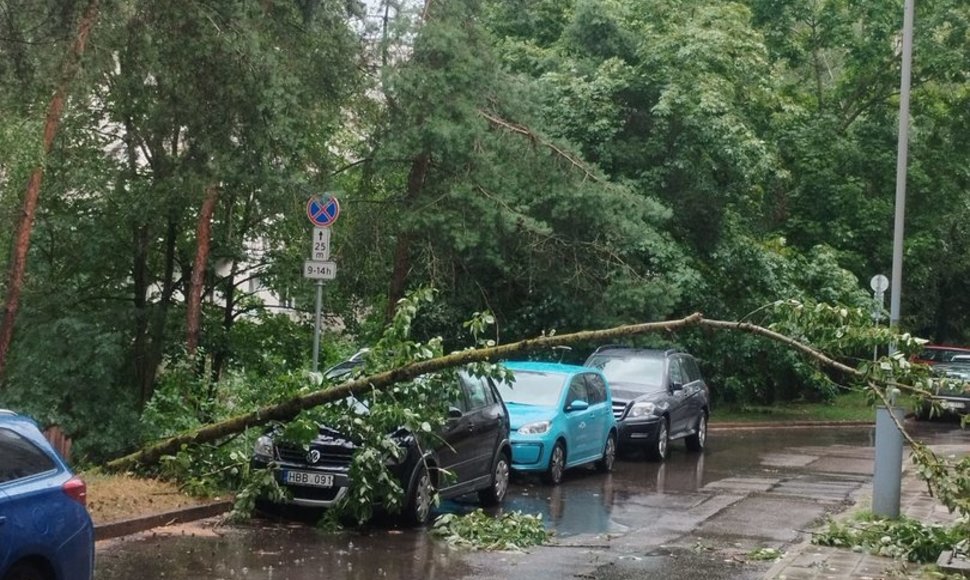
[[536, 428], [642, 409], [263, 448]]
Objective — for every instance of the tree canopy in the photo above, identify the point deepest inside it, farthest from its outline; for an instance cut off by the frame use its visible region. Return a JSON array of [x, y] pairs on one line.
[[562, 165]]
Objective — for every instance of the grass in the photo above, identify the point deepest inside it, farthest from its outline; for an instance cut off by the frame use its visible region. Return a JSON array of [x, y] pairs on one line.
[[846, 407]]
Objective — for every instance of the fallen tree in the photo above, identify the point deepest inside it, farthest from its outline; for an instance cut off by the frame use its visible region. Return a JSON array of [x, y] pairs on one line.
[[289, 409]]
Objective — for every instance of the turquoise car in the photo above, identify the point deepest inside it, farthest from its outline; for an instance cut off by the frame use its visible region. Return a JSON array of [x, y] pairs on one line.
[[561, 417]]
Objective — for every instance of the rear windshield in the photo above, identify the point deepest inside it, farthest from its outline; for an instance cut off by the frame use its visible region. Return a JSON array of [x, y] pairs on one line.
[[636, 372], [533, 388], [942, 354]]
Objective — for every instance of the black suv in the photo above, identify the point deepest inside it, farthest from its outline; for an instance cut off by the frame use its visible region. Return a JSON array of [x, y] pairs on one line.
[[473, 446], [658, 395]]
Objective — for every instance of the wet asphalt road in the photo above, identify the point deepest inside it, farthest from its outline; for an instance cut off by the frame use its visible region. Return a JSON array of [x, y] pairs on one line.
[[695, 516]]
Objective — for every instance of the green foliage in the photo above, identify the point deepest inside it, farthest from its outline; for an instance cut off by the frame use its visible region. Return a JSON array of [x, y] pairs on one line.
[[259, 484], [902, 538], [948, 478], [765, 554], [478, 530], [205, 470]]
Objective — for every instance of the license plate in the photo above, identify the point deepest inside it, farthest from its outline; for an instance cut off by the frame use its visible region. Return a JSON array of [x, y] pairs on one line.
[[952, 405], [309, 478]]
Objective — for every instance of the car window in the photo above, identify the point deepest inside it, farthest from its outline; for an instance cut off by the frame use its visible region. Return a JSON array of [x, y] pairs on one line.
[[676, 372], [691, 369], [21, 458], [636, 373], [577, 390], [596, 388], [459, 401], [532, 388], [476, 391]]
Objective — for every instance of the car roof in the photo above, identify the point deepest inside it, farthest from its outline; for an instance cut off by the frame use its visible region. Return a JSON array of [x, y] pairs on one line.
[[945, 347], [546, 367], [7, 416], [621, 349]]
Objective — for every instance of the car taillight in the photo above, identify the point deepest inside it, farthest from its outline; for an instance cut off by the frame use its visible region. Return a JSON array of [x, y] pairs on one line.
[[76, 490]]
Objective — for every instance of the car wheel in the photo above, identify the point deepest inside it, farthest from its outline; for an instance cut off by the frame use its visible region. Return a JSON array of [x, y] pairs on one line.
[[659, 450], [417, 512], [495, 493], [697, 441], [25, 571], [557, 464], [605, 465]]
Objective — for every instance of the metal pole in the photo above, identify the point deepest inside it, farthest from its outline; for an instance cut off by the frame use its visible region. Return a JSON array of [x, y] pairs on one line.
[[887, 471], [316, 326], [902, 151], [888, 468]]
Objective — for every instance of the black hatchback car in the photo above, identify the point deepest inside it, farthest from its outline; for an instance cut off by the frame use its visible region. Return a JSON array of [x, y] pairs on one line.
[[473, 446], [658, 396]]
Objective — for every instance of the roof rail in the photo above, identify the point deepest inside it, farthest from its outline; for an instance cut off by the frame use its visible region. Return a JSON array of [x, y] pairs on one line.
[[7, 412], [606, 346]]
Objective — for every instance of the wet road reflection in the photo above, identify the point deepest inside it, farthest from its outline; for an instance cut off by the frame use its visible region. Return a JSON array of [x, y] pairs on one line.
[[267, 551], [587, 502]]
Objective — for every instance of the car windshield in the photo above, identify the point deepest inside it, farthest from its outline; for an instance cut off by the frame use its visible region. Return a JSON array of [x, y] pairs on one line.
[[631, 372], [533, 388]]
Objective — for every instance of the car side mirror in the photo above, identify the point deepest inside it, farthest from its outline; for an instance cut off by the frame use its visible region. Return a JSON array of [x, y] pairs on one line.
[[454, 413], [674, 387], [577, 405]]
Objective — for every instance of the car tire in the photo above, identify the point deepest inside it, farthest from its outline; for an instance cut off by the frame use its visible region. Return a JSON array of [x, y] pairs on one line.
[[557, 464], [697, 440], [420, 498], [25, 571], [661, 447], [605, 464], [499, 486]]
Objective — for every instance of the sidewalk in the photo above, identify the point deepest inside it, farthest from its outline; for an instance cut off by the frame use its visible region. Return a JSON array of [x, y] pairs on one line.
[[806, 561]]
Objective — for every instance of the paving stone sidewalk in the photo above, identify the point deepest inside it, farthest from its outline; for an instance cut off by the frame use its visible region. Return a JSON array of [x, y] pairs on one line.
[[806, 561]]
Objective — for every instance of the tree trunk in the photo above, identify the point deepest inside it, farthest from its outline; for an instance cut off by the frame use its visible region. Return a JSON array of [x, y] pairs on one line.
[[157, 339], [18, 260], [289, 409], [402, 250], [203, 234]]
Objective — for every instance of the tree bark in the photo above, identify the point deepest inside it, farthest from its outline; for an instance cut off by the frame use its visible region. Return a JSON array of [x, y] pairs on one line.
[[402, 249], [157, 340], [203, 235], [21, 246]]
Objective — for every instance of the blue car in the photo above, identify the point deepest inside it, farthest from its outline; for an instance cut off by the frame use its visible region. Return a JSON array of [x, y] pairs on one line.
[[45, 530], [561, 417]]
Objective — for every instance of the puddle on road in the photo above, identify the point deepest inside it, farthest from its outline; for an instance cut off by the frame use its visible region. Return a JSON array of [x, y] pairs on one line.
[[638, 490], [267, 551]]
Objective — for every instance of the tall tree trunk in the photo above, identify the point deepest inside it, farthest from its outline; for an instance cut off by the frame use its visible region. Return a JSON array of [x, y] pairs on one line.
[[402, 250], [157, 341], [203, 234], [18, 261], [140, 286]]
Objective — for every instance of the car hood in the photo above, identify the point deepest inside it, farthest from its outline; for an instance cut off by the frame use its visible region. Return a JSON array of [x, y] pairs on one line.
[[625, 392], [520, 414], [331, 438]]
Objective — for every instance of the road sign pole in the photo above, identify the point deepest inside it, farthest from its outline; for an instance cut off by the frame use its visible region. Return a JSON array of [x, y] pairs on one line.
[[316, 327], [322, 214]]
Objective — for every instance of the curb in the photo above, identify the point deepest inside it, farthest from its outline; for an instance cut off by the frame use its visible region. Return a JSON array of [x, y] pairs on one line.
[[787, 425], [140, 524]]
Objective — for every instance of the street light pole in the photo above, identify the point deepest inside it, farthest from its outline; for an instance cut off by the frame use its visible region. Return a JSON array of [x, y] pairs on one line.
[[902, 153], [887, 476]]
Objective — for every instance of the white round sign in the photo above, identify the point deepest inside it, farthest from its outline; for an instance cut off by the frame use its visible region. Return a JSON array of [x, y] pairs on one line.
[[879, 283]]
